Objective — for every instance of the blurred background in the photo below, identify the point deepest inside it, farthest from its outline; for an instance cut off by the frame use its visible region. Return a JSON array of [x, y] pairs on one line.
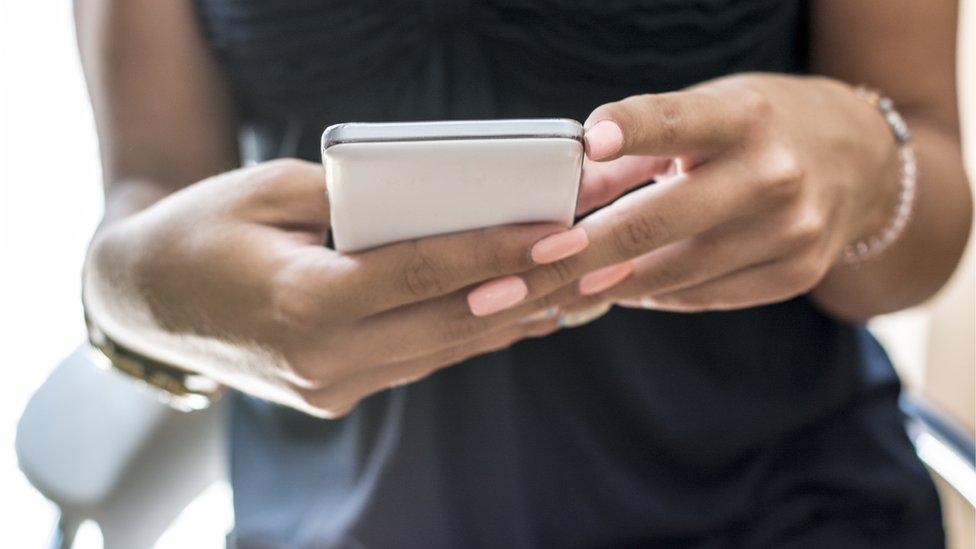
[[50, 203]]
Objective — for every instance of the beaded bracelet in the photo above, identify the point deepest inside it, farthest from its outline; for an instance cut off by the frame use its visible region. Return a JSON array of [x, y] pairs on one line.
[[863, 250]]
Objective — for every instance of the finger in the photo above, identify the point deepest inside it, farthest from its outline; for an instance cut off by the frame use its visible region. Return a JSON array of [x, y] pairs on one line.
[[762, 284], [602, 182], [694, 121], [315, 285], [422, 328], [649, 218], [723, 250], [342, 397], [418, 270]]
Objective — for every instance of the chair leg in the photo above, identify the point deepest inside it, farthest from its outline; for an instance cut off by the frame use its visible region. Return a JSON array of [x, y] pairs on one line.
[[63, 536]]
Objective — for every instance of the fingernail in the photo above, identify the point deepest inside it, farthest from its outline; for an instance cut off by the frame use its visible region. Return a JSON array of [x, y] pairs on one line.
[[578, 318], [497, 295], [603, 139], [560, 246], [601, 279], [544, 314]]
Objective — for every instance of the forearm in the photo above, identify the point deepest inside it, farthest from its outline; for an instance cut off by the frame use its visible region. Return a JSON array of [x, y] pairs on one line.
[[920, 262]]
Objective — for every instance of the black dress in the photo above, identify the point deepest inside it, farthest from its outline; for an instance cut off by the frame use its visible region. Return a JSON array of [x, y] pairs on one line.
[[768, 427]]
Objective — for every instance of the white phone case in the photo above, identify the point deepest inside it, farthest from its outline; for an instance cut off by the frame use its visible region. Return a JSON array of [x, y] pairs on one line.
[[393, 182]]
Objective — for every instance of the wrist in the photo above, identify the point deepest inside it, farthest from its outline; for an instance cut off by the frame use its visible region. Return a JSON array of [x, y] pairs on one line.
[[887, 197], [112, 289], [879, 201]]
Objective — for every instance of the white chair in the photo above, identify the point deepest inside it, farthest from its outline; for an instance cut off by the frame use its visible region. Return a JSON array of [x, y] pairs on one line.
[[102, 449]]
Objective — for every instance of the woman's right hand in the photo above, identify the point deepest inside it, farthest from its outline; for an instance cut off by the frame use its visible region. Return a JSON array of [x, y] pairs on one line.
[[230, 278]]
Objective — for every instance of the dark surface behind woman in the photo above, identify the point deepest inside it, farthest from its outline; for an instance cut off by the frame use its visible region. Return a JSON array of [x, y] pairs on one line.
[[772, 426]]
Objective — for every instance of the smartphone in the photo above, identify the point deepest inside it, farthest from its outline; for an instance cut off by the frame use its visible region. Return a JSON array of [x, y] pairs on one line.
[[389, 182]]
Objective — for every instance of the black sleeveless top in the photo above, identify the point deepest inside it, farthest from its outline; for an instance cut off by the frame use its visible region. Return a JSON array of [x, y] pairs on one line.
[[744, 428]]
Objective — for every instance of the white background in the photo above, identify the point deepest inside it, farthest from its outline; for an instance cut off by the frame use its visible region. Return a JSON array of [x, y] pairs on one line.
[[49, 207], [50, 202]]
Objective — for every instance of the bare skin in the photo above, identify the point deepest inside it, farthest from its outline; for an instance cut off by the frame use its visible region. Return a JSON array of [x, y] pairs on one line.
[[222, 270], [781, 173]]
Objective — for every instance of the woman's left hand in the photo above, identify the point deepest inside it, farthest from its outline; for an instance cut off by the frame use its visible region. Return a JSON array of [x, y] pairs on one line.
[[771, 176]]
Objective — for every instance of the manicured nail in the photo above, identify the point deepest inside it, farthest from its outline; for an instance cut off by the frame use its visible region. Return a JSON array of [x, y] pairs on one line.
[[544, 314], [578, 318], [603, 139], [560, 246], [497, 295], [601, 279]]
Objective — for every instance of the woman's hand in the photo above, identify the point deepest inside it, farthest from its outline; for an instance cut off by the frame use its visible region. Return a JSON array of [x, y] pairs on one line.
[[777, 174], [231, 278], [761, 181]]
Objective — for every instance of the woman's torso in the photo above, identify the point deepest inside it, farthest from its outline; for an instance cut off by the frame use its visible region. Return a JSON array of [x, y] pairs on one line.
[[641, 424]]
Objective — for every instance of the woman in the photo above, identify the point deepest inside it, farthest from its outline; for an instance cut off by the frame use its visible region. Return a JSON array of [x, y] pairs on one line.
[[737, 401]]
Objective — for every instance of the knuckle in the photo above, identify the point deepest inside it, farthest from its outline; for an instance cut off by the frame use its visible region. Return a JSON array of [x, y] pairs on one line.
[[294, 307], [462, 329], [782, 172], [657, 115], [663, 277], [639, 233], [558, 273], [421, 276], [808, 229], [670, 118], [493, 259], [503, 257], [755, 107]]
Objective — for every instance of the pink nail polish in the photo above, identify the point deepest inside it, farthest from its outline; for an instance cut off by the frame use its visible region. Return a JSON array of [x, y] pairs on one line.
[[604, 278], [497, 295], [603, 139], [560, 246]]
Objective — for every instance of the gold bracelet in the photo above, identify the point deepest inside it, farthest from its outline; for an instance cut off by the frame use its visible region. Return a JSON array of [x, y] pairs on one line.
[[180, 389]]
